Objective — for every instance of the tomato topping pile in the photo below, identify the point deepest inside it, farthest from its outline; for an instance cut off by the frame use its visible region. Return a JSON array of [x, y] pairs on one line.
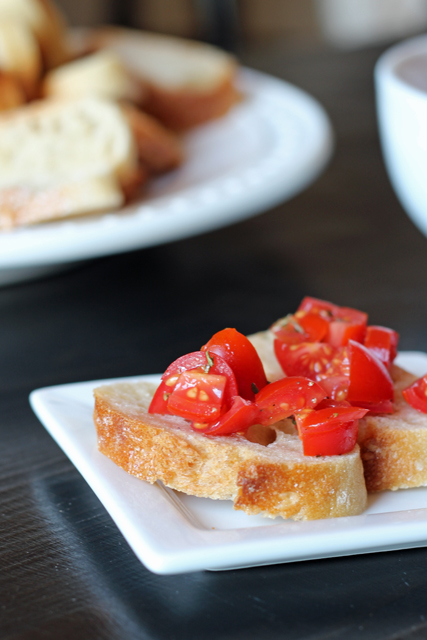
[[222, 389], [349, 359], [336, 370]]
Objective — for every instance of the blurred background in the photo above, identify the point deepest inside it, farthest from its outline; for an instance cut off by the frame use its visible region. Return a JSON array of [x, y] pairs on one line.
[[346, 23]]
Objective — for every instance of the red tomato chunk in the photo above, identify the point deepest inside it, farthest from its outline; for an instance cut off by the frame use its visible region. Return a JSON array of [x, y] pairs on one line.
[[416, 394], [242, 357], [198, 396], [329, 431]]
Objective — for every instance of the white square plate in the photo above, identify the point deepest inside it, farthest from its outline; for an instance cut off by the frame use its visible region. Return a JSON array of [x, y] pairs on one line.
[[174, 533]]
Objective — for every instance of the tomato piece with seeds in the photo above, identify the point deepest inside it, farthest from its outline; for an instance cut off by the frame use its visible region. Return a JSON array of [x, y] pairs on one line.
[[336, 379], [197, 360], [284, 397], [198, 396], [308, 359]]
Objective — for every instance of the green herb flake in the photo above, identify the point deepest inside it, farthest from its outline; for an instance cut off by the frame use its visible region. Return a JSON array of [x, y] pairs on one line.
[[210, 362]]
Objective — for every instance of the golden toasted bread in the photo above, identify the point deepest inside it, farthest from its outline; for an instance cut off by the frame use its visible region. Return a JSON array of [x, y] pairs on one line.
[[272, 479], [394, 447]]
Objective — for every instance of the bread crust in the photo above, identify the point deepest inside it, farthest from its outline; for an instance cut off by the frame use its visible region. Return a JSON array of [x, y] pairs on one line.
[[159, 150], [394, 447], [181, 110], [20, 55], [274, 480], [11, 92]]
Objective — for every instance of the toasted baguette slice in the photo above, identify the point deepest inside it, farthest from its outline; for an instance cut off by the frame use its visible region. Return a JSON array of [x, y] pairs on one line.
[[48, 149], [101, 74], [20, 54], [394, 447], [187, 82], [45, 21], [272, 480]]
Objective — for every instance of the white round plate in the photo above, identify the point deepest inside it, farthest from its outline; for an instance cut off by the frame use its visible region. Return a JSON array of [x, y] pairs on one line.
[[267, 149]]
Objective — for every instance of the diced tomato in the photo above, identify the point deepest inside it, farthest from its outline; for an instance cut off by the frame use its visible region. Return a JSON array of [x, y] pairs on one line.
[[383, 343], [308, 359], [345, 324], [199, 361], [369, 379], [240, 417], [327, 309], [336, 379], [386, 406], [303, 326], [329, 431], [329, 402], [336, 387], [198, 396], [416, 394], [242, 357], [282, 398]]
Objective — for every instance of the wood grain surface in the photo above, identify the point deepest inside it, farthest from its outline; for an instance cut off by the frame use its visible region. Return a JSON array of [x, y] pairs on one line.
[[65, 570]]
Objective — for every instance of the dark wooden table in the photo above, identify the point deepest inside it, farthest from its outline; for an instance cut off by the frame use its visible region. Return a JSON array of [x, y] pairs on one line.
[[66, 572]]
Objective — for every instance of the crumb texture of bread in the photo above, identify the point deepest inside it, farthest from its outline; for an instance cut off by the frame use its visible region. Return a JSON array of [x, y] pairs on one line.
[[48, 141], [67, 158], [273, 480], [100, 74], [394, 447]]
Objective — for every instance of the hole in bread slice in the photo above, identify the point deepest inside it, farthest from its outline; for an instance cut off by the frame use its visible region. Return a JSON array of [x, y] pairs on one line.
[[261, 435]]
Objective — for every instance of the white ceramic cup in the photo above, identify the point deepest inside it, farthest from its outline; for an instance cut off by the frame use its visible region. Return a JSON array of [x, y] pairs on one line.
[[401, 92]]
